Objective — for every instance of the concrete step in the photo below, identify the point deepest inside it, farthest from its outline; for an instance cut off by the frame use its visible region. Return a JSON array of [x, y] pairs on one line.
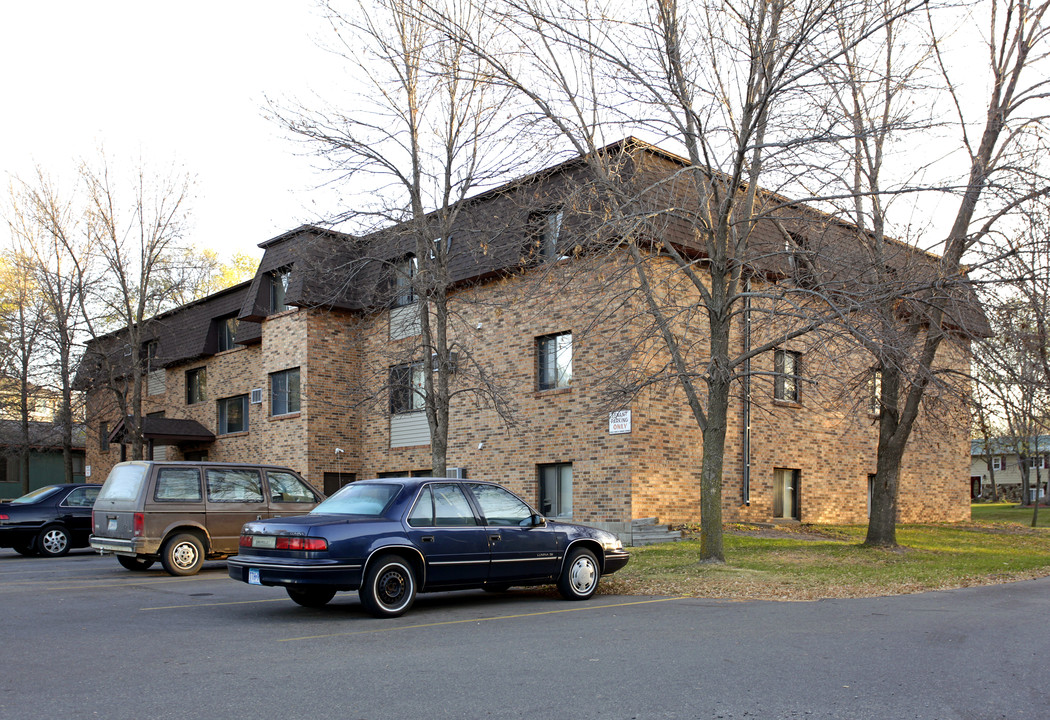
[[647, 532]]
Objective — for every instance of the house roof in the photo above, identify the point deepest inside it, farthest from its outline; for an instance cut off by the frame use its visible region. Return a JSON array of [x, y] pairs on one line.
[[1005, 445], [173, 430], [491, 236], [42, 435]]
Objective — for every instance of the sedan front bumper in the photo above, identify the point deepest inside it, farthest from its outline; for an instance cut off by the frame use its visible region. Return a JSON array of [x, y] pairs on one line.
[[615, 560]]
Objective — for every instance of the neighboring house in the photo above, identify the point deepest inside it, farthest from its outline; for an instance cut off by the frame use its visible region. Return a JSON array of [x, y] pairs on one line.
[[307, 368], [1005, 454], [45, 456], [44, 404]]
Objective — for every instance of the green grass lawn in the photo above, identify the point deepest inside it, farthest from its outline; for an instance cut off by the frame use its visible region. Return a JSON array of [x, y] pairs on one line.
[[1009, 512], [829, 561]]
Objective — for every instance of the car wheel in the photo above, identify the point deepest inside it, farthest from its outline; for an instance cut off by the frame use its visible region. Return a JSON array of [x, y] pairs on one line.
[[53, 541], [182, 555], [135, 563], [389, 588], [579, 579], [28, 549], [311, 597]]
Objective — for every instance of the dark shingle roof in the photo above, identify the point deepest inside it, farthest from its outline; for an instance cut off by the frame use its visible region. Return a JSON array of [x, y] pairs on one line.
[[42, 435]]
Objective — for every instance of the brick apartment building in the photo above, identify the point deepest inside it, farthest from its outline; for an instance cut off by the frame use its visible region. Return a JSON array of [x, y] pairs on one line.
[[302, 367]]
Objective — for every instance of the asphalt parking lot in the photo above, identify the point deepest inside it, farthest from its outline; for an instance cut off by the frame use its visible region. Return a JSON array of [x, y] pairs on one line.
[[82, 637]]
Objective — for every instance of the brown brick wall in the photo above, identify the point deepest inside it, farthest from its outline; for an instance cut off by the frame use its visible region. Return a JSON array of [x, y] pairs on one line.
[[652, 472]]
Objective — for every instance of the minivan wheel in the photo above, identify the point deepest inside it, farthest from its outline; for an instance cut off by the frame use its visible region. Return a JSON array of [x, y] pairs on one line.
[[311, 597], [134, 563], [53, 541], [182, 555]]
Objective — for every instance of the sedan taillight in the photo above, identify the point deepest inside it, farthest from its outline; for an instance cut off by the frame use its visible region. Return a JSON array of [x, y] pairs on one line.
[[301, 543], [283, 542], [4, 517]]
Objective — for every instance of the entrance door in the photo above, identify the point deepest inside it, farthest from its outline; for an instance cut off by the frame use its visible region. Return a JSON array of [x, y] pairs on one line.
[[786, 493]]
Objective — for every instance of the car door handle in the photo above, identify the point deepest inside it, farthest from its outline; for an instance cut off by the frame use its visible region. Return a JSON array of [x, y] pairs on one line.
[[494, 538], [427, 538]]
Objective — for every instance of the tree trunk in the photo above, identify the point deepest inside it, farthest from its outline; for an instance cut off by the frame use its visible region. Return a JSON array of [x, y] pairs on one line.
[[711, 546], [882, 525], [714, 434]]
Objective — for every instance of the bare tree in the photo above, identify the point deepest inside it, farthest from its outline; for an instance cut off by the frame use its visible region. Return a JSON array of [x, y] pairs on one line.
[[727, 83], [22, 315], [53, 238], [908, 325], [423, 133], [984, 429], [136, 228]]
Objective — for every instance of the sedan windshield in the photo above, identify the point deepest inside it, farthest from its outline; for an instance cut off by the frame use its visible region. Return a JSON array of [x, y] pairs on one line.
[[365, 499], [36, 496]]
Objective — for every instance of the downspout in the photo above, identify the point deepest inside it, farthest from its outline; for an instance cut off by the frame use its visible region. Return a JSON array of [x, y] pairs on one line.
[[747, 394]]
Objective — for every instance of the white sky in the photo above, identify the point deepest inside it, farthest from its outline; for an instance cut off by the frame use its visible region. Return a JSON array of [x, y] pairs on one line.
[[180, 82], [174, 82]]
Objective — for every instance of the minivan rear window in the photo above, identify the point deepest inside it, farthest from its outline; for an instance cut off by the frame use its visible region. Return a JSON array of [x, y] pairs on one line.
[[178, 485], [124, 482]]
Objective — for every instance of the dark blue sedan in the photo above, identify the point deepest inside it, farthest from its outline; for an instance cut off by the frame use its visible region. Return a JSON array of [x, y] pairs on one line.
[[389, 539], [50, 520]]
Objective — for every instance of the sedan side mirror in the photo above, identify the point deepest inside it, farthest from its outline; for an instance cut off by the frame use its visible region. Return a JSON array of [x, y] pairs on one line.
[[538, 520]]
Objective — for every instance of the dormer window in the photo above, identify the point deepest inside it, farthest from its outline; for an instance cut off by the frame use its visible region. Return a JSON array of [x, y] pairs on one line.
[[149, 355], [404, 275], [227, 333], [549, 228], [278, 289]]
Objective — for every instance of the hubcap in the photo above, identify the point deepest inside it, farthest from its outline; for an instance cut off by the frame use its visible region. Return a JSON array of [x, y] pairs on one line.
[[184, 555], [583, 572], [392, 587], [54, 541]]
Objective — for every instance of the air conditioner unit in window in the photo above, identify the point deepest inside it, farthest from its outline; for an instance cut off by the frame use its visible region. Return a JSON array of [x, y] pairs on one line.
[[453, 362], [256, 397], [457, 473]]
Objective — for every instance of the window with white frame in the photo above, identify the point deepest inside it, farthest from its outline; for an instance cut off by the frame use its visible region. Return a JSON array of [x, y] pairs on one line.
[[284, 392], [997, 462]]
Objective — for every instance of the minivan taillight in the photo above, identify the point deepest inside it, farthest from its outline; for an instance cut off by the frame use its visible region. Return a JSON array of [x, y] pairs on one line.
[[139, 525]]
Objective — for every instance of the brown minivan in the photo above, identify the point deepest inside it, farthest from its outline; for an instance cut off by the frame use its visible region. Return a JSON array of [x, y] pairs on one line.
[[185, 512]]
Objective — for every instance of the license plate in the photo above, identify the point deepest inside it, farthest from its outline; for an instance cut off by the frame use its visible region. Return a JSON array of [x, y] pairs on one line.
[[112, 526], [253, 576]]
